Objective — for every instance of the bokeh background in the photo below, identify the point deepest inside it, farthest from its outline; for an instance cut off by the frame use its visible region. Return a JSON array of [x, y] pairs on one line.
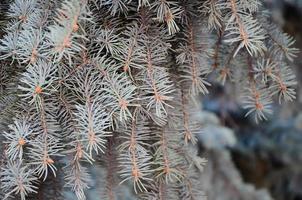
[[248, 161]]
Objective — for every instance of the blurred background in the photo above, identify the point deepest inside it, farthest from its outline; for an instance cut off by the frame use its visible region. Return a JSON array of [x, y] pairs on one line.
[[248, 161]]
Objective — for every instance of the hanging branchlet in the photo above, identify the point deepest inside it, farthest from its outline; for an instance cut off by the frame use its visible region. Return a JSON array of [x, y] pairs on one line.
[[92, 123], [249, 34], [17, 138], [25, 36], [281, 79], [213, 11], [65, 36], [265, 70], [258, 101], [189, 188], [135, 159], [160, 190], [8, 47], [90, 118], [129, 53], [285, 82], [84, 83], [106, 41], [119, 95], [168, 161], [30, 46], [281, 44], [226, 67], [190, 126], [237, 22], [284, 46], [46, 147], [167, 11], [192, 59], [115, 7], [66, 116], [43, 155], [38, 81], [250, 6], [22, 9], [78, 179], [39, 19], [65, 105], [17, 179], [243, 28], [156, 84]]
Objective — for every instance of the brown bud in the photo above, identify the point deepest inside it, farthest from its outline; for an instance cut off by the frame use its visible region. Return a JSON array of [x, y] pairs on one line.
[[21, 142], [66, 42], [50, 161], [135, 173], [23, 18], [75, 27], [126, 67], [259, 106], [123, 104], [38, 89]]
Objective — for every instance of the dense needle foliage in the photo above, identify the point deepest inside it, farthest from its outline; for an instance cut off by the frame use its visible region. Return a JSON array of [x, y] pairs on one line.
[[115, 83]]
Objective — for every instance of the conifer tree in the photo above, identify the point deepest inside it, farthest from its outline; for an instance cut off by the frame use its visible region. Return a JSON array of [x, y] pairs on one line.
[[114, 83]]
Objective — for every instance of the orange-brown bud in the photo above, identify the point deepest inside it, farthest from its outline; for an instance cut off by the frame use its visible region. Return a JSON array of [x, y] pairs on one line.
[[126, 67], [123, 104], [23, 18], [38, 89], [135, 173], [259, 106], [21, 142], [50, 161], [75, 27]]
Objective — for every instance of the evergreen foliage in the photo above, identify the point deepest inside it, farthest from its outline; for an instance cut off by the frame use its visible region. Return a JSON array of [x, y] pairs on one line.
[[114, 83]]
